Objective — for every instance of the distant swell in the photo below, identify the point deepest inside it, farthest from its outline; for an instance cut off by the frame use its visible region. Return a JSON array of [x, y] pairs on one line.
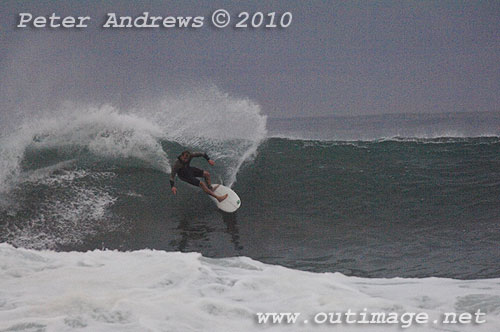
[[388, 126]]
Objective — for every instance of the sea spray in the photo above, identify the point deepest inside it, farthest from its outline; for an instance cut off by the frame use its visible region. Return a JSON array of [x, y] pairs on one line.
[[230, 129]]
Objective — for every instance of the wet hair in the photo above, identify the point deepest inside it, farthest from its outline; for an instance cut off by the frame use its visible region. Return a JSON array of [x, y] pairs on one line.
[[183, 153]]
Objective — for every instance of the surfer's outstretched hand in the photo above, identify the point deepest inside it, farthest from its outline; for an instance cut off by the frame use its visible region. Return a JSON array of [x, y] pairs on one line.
[[211, 162], [174, 190]]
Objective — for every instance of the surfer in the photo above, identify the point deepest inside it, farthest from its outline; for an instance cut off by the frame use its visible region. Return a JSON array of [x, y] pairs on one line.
[[190, 174]]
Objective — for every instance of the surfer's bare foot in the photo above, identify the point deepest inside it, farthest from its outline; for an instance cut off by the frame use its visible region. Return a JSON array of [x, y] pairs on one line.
[[221, 198]]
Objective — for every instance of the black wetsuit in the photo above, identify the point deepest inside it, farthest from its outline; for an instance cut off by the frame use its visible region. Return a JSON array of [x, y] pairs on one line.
[[186, 172]]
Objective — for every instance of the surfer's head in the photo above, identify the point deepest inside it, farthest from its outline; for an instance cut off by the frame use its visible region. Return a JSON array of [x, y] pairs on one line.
[[184, 156]]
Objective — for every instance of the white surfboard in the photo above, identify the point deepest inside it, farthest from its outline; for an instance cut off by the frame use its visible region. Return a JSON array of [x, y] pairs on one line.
[[231, 203]]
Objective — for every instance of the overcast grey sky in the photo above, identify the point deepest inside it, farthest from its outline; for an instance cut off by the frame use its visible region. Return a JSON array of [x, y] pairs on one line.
[[336, 58]]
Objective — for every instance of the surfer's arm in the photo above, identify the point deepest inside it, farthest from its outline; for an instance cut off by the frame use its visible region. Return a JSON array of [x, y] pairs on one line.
[[204, 155], [200, 154], [173, 173]]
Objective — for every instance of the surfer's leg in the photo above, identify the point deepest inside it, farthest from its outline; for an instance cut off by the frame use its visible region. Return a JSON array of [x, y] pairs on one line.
[[201, 173], [191, 180], [211, 193], [206, 176]]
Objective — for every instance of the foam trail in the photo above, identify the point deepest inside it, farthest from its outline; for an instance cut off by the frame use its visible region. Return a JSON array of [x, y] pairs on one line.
[[66, 220]]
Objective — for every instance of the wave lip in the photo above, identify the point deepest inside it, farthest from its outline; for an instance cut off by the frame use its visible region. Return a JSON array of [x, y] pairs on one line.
[[103, 131]]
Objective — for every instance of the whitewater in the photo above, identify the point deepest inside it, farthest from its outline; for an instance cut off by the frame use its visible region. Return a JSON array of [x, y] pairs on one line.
[[151, 290]]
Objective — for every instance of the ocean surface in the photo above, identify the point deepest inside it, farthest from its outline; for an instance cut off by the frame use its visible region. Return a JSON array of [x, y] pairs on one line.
[[331, 209]]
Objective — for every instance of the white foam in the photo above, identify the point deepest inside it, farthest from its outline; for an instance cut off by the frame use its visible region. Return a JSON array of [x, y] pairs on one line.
[[104, 131], [65, 220], [12, 150], [159, 291]]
